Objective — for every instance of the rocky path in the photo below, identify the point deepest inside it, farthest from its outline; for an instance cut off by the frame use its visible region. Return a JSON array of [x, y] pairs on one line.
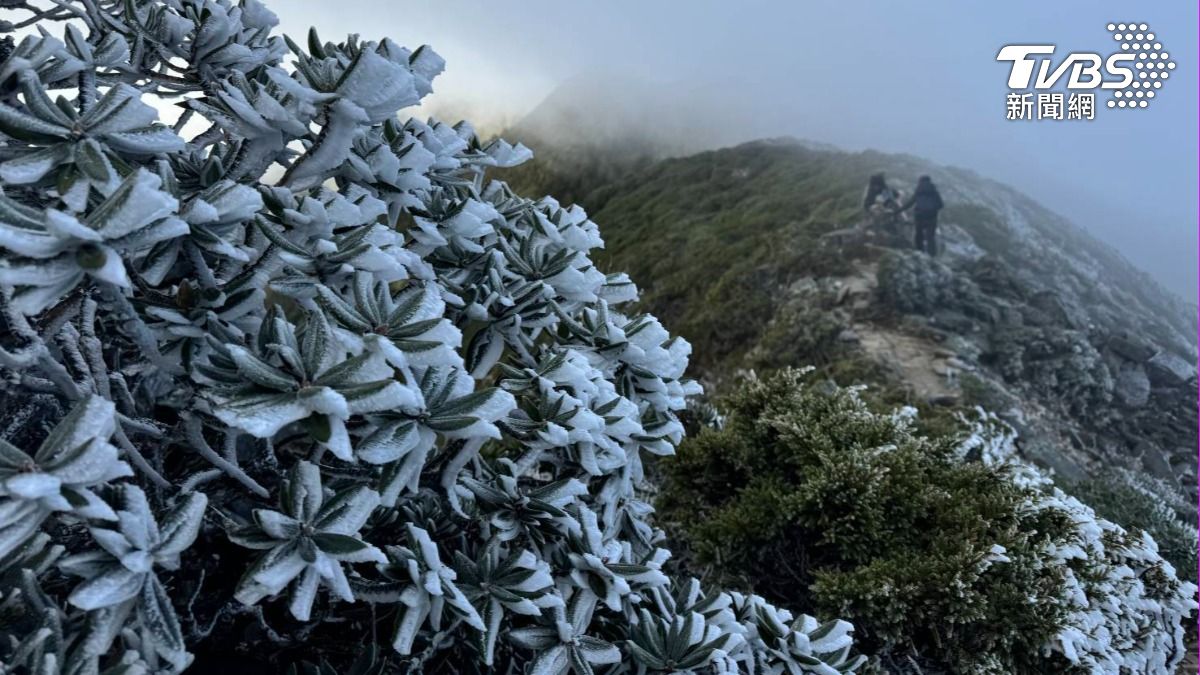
[[918, 362], [927, 368]]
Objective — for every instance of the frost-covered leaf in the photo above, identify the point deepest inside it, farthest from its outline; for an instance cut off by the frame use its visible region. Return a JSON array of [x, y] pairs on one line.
[[309, 544], [115, 585], [158, 618]]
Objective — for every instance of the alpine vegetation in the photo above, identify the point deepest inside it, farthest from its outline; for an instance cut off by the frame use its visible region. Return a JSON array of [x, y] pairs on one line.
[[946, 551], [287, 378]]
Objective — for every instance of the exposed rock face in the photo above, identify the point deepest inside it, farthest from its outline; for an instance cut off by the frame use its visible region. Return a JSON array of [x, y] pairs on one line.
[[915, 283], [1018, 352], [1091, 387], [1081, 389], [1170, 370], [1077, 392]]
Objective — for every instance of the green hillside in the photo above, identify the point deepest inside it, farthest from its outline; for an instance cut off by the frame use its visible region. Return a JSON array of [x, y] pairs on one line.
[[1024, 313], [711, 238]]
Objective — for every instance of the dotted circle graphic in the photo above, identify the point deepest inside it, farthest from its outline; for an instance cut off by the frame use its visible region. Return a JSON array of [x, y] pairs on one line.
[[1151, 64]]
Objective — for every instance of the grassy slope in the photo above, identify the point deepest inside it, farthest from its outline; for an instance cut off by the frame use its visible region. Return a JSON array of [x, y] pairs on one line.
[[712, 237]]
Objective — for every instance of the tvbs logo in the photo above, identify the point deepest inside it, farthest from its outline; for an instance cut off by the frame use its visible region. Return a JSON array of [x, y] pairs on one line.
[[1086, 70], [1132, 76]]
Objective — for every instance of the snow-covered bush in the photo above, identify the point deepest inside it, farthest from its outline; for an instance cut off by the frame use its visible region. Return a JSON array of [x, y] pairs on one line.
[[1136, 500], [944, 550], [290, 378], [1126, 608]]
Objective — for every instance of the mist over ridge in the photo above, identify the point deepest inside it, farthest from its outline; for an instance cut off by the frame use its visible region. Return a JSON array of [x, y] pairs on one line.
[[612, 114]]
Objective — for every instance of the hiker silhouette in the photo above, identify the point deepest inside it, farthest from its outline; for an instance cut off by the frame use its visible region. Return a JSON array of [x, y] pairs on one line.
[[881, 202], [925, 202]]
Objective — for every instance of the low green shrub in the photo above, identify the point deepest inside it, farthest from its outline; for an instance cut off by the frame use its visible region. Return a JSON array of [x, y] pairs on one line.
[[800, 332], [808, 496]]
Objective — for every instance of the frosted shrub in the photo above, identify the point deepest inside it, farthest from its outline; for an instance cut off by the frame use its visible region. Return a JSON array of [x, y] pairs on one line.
[[945, 549], [288, 376], [1126, 606]]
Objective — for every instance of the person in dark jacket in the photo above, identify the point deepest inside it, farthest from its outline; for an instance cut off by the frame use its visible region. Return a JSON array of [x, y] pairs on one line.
[[877, 189], [925, 202], [881, 203]]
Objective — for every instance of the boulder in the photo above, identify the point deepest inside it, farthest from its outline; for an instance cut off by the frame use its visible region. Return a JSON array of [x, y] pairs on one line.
[[1131, 386], [914, 283], [1131, 347], [1168, 370], [1050, 310], [1041, 444]]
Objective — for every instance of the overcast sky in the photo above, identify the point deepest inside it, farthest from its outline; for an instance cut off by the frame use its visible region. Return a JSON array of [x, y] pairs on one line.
[[905, 77]]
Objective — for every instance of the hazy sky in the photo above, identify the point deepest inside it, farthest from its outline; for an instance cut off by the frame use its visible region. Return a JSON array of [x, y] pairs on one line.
[[905, 77]]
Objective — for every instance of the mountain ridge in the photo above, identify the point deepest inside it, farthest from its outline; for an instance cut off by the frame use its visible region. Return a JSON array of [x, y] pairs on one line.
[[602, 113], [753, 253]]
